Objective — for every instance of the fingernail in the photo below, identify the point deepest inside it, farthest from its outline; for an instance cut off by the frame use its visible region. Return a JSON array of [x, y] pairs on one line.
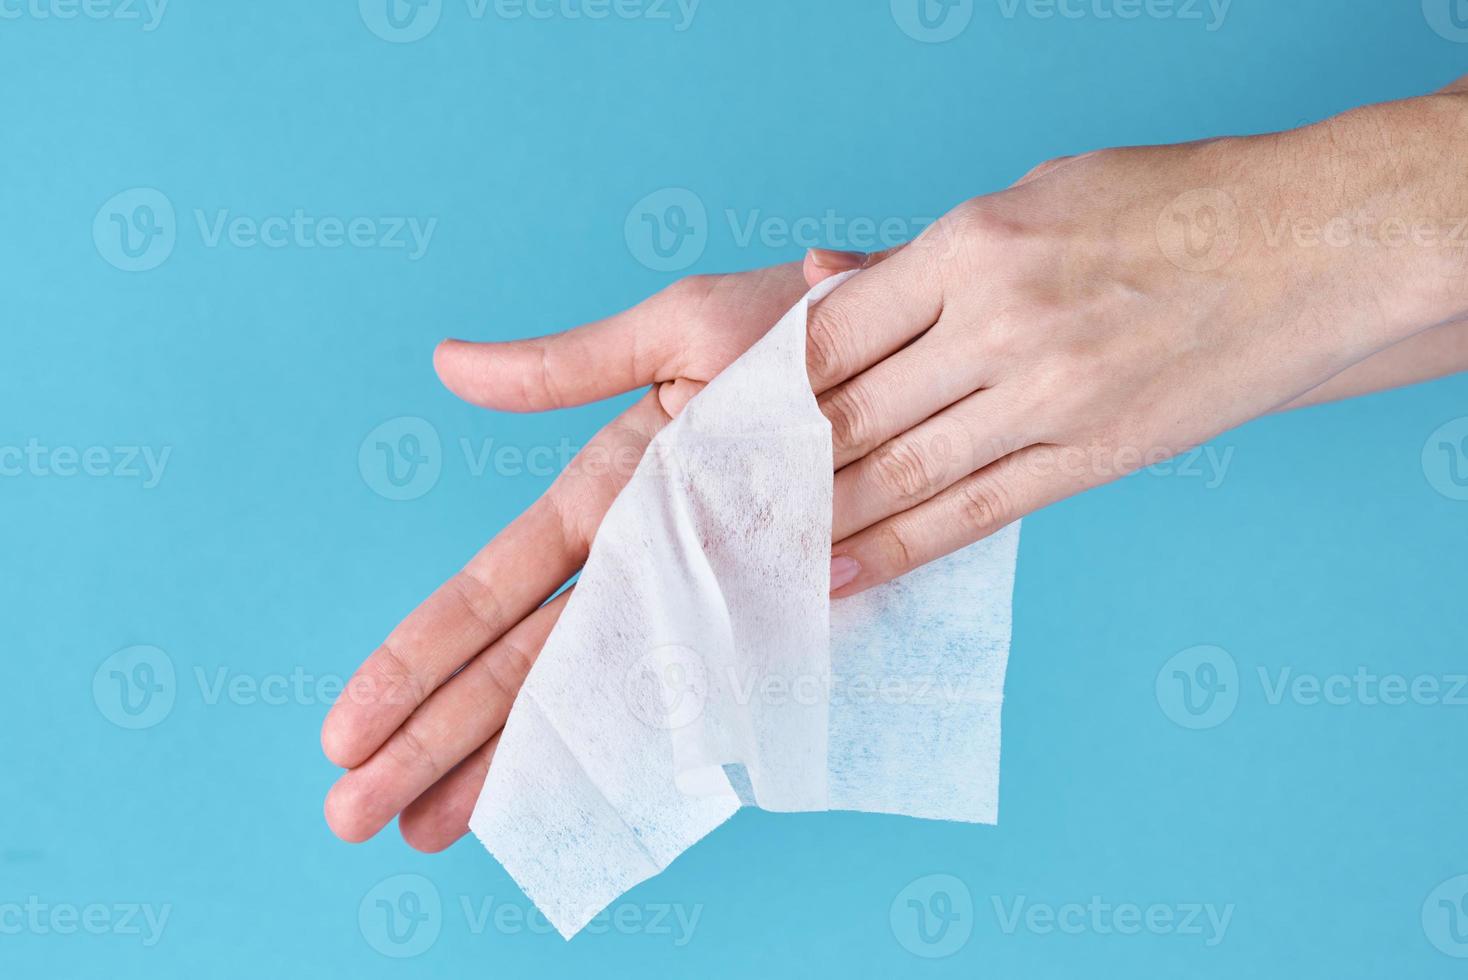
[[832, 260], [844, 571]]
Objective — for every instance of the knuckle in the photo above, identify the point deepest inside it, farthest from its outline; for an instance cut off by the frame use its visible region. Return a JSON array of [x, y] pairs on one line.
[[478, 597], [411, 751], [1040, 169], [896, 551], [1046, 166], [389, 681], [825, 348], [575, 524], [540, 384], [904, 472], [849, 413], [981, 507], [981, 226], [505, 670], [385, 681]]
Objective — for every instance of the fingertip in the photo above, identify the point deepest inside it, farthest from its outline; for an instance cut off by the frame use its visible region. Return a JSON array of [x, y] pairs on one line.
[[440, 353], [844, 570], [836, 260], [823, 263], [422, 833], [854, 588], [344, 813], [813, 273], [338, 742], [474, 371], [448, 361], [851, 574], [674, 396]]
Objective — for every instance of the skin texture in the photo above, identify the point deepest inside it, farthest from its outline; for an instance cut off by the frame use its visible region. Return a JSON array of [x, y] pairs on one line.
[[1108, 311]]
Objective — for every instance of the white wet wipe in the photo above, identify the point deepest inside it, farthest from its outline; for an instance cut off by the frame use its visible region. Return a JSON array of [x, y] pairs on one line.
[[701, 642]]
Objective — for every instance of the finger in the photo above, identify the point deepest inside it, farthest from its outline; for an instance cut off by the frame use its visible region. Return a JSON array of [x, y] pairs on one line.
[[441, 816], [870, 316], [822, 263], [458, 718], [637, 347], [926, 460], [896, 394], [674, 395], [502, 584], [973, 508], [514, 573]]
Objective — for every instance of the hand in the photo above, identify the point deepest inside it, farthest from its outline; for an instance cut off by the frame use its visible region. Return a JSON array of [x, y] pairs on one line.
[[416, 736], [1089, 321]]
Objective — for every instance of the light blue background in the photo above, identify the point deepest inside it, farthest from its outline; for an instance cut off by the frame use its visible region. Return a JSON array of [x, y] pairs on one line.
[[264, 553]]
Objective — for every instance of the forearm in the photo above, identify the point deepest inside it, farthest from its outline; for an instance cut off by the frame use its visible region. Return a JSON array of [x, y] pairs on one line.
[[1383, 203], [1404, 224], [1434, 353]]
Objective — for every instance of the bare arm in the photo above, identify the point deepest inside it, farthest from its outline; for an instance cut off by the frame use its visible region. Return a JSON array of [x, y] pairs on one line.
[[1432, 354]]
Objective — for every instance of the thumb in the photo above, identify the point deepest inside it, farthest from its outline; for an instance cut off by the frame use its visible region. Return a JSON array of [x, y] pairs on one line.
[[675, 395], [632, 349]]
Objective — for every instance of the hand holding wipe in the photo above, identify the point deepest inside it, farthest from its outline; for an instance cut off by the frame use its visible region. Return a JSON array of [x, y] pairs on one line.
[[701, 642]]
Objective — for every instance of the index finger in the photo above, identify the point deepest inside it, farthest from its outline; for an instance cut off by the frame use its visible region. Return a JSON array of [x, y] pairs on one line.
[[871, 316]]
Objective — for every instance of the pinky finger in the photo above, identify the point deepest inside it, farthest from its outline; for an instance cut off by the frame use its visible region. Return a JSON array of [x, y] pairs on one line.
[[440, 816], [970, 510]]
